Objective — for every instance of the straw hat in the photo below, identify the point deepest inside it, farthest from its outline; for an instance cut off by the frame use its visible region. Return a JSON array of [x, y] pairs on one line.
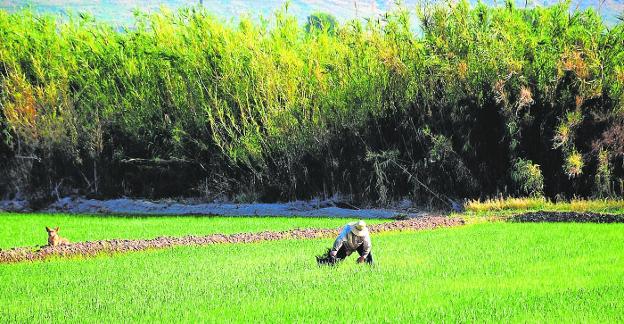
[[359, 228]]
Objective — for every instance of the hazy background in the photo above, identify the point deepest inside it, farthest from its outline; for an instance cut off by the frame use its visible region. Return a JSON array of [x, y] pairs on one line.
[[119, 12]]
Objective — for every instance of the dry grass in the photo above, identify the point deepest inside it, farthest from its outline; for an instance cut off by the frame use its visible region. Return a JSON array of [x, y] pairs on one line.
[[540, 203]]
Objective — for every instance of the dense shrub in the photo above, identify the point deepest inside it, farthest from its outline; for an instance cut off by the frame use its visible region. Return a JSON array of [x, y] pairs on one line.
[[182, 103], [528, 178]]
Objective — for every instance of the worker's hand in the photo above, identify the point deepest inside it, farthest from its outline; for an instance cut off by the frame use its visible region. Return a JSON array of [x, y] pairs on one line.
[[361, 259], [333, 253]]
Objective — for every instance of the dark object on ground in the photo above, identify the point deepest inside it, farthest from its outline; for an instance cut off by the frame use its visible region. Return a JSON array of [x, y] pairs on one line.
[[568, 217], [401, 217], [116, 246], [326, 259]]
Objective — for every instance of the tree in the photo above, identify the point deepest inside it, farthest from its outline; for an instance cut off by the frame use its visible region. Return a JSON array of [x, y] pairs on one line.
[[321, 21]]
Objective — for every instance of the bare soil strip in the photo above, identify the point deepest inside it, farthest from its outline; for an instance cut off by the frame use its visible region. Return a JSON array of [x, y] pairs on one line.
[[567, 217], [119, 246]]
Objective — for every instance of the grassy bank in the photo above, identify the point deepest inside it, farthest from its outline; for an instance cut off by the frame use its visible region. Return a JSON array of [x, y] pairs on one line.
[[488, 272], [17, 230], [510, 206]]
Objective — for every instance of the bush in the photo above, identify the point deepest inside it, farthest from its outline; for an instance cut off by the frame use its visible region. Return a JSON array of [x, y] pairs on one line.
[[528, 177], [321, 21], [472, 106]]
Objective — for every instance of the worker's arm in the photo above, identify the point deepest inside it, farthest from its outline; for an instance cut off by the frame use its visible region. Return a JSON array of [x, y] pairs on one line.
[[367, 245], [340, 239]]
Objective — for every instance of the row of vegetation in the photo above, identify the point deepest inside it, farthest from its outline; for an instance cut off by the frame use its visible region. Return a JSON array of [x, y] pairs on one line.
[[519, 205], [470, 101]]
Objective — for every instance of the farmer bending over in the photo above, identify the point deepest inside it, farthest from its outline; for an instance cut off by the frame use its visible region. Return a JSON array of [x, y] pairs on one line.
[[354, 237]]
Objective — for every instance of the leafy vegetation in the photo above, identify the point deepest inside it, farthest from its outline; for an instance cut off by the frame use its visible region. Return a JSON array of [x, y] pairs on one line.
[[528, 177], [481, 101], [17, 230], [520, 205], [488, 272], [321, 21]]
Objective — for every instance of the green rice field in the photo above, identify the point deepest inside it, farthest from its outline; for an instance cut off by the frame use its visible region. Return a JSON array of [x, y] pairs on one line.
[[488, 272]]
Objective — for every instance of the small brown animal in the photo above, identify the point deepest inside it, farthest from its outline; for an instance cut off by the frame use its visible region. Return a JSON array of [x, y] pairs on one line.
[[54, 239]]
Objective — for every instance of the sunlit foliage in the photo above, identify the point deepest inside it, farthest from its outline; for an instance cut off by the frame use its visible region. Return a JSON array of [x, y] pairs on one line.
[[182, 103]]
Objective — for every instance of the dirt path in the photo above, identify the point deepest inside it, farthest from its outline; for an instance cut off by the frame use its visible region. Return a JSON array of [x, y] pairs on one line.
[[117, 246]]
